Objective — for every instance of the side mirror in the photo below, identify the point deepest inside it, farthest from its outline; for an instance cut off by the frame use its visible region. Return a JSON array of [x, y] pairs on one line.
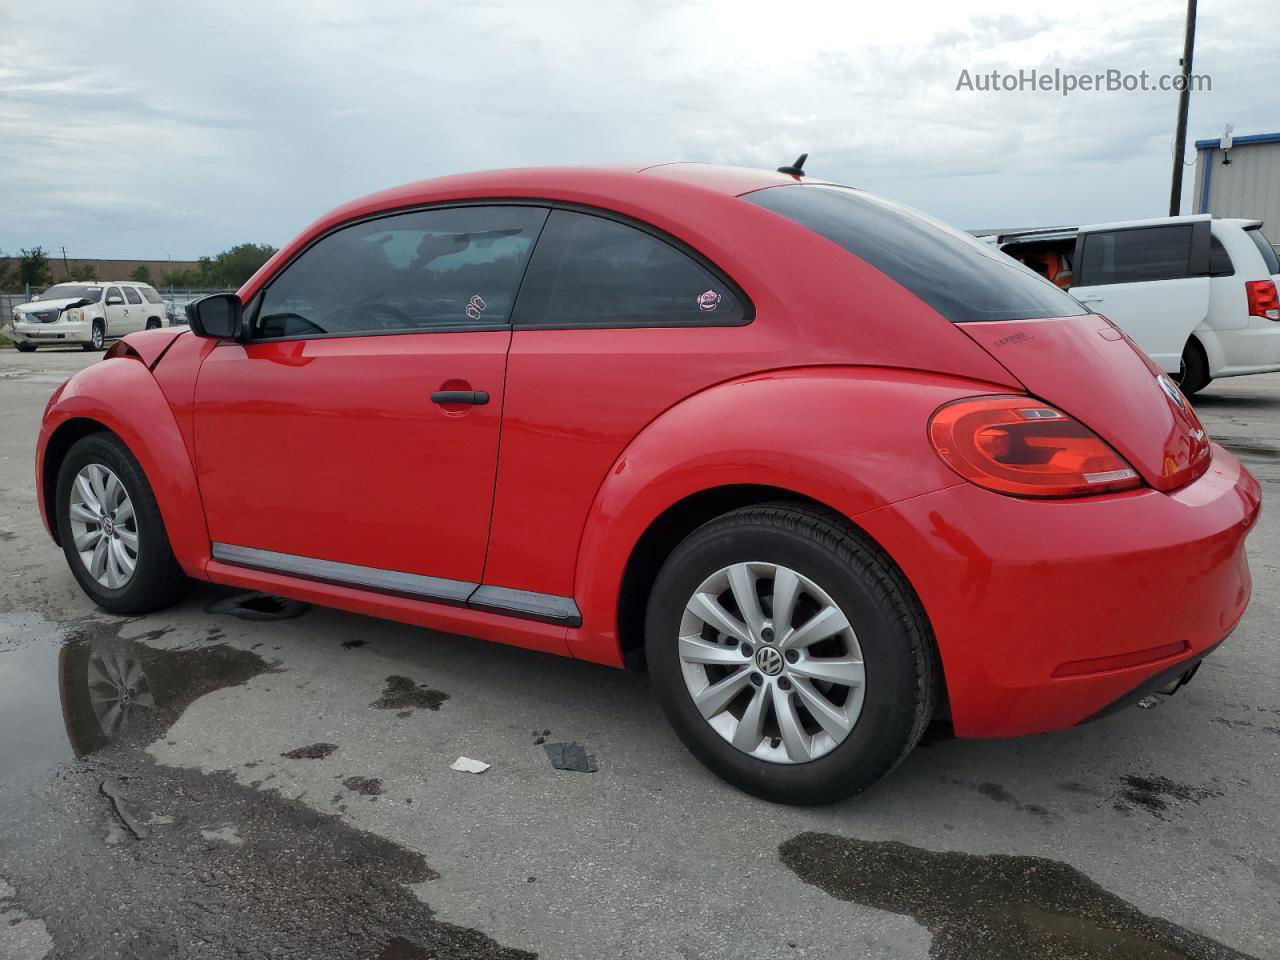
[[219, 316], [114, 301]]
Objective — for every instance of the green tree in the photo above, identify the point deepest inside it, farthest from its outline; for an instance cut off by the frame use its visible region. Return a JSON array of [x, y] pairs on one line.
[[33, 268], [7, 273], [230, 268], [233, 267], [141, 274]]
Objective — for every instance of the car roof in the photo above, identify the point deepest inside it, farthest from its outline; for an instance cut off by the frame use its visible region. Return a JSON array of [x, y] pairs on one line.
[[599, 186]]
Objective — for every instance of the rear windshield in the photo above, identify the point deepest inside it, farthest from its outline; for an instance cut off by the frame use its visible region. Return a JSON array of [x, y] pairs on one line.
[[961, 277], [77, 291], [1264, 247]]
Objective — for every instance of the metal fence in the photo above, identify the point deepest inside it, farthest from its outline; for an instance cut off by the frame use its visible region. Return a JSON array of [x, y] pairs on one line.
[[175, 300]]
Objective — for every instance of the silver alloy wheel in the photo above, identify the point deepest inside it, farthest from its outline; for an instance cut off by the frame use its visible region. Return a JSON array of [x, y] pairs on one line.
[[771, 662], [118, 691], [97, 337], [103, 526]]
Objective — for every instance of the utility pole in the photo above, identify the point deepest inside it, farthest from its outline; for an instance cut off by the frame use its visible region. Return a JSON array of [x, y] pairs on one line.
[[1184, 103], [66, 266]]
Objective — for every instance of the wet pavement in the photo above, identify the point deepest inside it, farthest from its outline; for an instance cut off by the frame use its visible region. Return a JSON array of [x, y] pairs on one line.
[[235, 777]]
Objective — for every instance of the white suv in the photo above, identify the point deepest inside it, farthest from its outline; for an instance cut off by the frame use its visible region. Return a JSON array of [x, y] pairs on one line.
[[86, 313], [1197, 294]]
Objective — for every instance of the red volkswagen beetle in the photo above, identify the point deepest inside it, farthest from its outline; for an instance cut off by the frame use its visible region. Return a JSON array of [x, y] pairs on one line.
[[827, 467]]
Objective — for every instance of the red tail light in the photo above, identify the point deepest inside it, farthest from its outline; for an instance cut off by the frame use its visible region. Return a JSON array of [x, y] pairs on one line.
[[1019, 446], [1263, 299]]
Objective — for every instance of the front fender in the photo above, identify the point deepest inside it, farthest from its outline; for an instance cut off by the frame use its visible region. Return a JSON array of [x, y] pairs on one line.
[[851, 438], [122, 395]]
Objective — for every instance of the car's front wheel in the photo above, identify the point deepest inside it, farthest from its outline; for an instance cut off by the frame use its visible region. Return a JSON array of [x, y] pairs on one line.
[[790, 654], [111, 530], [24, 347], [97, 337]]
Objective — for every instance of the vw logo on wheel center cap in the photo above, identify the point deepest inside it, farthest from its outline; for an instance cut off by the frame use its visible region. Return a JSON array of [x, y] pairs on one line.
[[769, 661]]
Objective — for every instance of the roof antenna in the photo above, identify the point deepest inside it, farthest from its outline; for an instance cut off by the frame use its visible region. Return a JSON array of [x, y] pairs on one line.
[[796, 169]]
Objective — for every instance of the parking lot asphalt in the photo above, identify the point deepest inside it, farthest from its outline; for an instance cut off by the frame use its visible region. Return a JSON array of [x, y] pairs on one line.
[[282, 787]]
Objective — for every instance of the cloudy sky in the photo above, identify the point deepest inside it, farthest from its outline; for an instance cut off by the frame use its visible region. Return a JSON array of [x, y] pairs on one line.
[[140, 129]]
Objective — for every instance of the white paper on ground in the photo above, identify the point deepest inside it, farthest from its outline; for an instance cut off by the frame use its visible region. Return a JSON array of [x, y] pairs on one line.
[[467, 765]]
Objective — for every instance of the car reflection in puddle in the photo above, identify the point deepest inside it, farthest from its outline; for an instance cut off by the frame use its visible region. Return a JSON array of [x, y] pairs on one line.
[[68, 692]]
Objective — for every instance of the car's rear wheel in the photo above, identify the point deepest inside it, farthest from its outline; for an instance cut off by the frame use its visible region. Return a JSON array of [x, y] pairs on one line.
[[790, 654], [111, 530], [25, 347], [153, 324], [97, 337], [1193, 370]]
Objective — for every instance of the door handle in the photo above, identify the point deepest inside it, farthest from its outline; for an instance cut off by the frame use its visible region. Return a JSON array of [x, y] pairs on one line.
[[1091, 299], [455, 397]]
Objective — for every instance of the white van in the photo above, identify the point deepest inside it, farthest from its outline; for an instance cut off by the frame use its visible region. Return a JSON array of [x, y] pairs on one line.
[[1199, 295], [87, 314]]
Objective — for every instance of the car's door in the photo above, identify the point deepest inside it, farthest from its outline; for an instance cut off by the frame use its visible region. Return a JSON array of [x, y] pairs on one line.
[[1152, 281], [134, 312], [354, 438], [113, 310], [616, 323]]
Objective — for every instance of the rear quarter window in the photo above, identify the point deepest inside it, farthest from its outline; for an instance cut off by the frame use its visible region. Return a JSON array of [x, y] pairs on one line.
[[1264, 247], [959, 276]]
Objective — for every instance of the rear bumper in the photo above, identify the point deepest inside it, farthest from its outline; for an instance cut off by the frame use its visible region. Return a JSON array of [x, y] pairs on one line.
[[1048, 612]]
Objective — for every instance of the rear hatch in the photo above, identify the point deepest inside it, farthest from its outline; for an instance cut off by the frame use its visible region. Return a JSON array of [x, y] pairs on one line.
[[1077, 361], [1086, 367]]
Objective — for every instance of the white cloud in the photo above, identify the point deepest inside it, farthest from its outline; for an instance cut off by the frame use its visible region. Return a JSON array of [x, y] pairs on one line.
[[137, 126]]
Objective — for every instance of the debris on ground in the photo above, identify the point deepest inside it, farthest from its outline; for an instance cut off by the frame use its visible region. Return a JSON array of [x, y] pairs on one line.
[[114, 791], [253, 605], [402, 693], [570, 756], [1147, 703], [467, 765], [366, 786], [227, 833], [313, 751], [352, 644]]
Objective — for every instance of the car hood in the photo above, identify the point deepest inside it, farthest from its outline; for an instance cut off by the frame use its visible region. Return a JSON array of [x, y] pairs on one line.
[[150, 345], [39, 306], [1087, 367]]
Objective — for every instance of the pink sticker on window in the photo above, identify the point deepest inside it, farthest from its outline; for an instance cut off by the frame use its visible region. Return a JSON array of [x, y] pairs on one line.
[[708, 300]]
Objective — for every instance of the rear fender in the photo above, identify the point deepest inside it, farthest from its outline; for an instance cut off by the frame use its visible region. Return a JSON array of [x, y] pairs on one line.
[[853, 439], [121, 395]]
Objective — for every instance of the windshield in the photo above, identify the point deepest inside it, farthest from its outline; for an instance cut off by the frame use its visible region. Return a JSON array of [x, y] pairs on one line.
[[1264, 247], [961, 277], [72, 291]]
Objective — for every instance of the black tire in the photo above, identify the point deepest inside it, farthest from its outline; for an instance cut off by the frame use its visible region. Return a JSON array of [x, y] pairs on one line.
[[904, 676], [157, 580], [153, 324], [98, 334], [25, 347], [1194, 374]]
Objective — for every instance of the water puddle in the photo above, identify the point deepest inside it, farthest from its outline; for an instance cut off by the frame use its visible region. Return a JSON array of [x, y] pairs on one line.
[[996, 907], [68, 691]]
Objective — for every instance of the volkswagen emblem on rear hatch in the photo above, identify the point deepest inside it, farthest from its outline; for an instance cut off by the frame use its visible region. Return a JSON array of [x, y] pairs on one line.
[[769, 661]]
